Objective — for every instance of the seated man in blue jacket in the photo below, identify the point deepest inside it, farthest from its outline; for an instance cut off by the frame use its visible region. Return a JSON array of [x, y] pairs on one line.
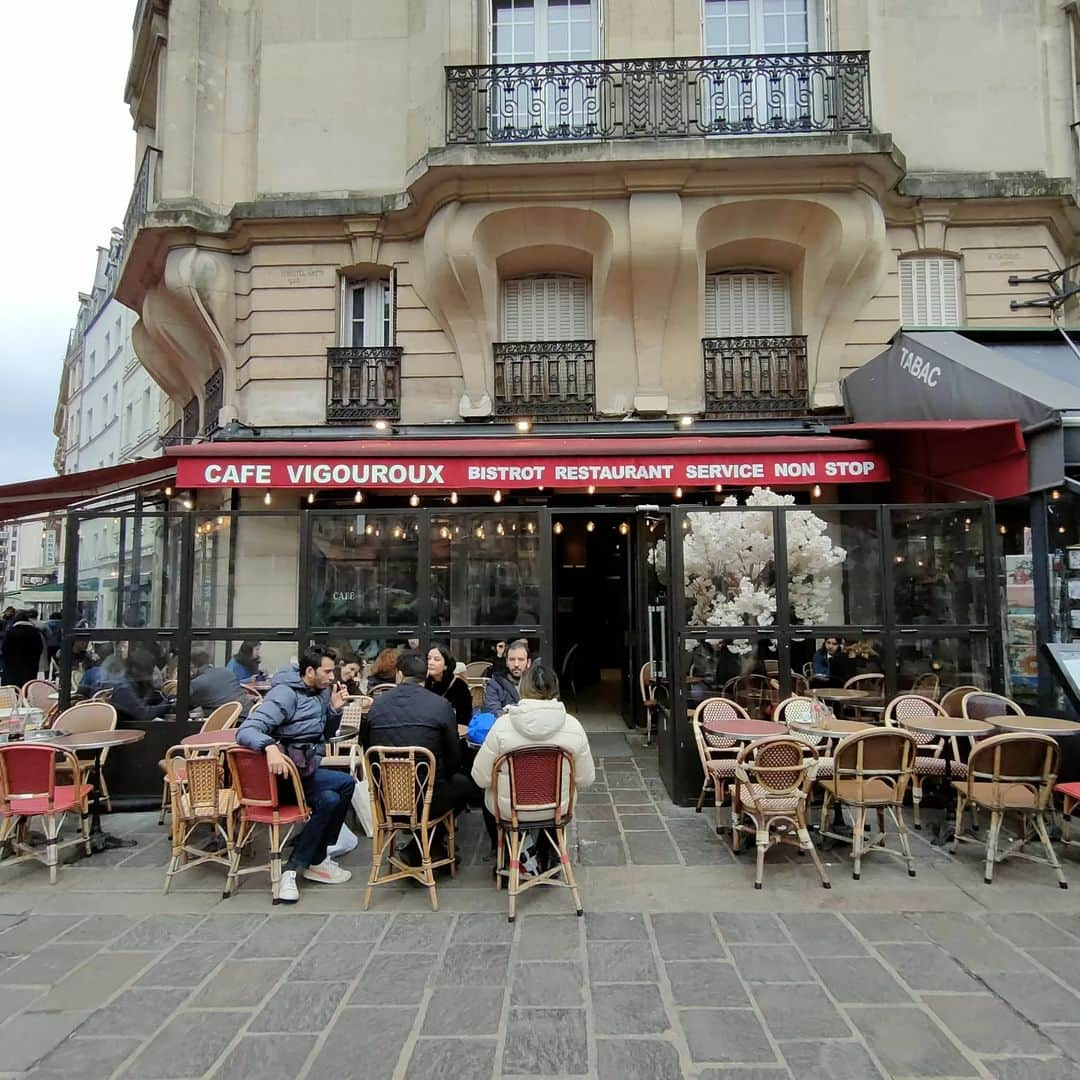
[[299, 712], [503, 686]]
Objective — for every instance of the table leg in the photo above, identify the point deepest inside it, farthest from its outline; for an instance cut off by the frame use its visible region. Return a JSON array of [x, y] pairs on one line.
[[100, 840]]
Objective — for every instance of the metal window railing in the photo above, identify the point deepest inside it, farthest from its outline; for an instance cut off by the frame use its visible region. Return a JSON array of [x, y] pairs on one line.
[[363, 383], [755, 376], [554, 379]]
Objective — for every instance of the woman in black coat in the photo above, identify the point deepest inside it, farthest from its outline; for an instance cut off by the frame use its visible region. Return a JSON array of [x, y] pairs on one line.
[[23, 646], [440, 680]]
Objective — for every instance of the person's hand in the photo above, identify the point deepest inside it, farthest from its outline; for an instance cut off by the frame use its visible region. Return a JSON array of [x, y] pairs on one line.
[[500, 648], [338, 696], [276, 760]]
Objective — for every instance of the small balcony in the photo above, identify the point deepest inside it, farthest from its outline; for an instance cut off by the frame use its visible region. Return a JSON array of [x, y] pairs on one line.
[[756, 377], [363, 383], [143, 195], [550, 380], [676, 97]]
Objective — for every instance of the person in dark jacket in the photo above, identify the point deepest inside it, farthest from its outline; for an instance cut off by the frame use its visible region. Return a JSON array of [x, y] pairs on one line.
[[502, 688], [301, 710], [245, 664], [441, 680], [134, 697], [90, 683], [54, 633], [410, 715], [213, 686], [23, 646]]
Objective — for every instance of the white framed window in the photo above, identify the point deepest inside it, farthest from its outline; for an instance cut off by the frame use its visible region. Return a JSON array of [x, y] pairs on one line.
[[753, 27], [367, 312], [531, 31], [145, 410], [549, 307], [747, 303], [93, 362], [930, 291], [89, 424]]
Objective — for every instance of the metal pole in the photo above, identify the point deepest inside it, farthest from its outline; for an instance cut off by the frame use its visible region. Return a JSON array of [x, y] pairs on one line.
[[70, 603]]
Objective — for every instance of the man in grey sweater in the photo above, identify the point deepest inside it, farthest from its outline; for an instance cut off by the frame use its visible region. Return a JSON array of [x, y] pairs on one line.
[[213, 686]]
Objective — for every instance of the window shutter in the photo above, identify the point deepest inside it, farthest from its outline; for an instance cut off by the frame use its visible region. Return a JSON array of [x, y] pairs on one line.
[[747, 305], [929, 292], [545, 309]]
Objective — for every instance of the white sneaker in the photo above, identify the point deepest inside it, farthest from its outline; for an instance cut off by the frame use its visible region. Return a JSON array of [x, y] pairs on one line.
[[288, 893], [346, 842], [327, 873]]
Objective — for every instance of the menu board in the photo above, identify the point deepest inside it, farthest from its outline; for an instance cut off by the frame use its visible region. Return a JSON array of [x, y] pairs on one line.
[[1066, 664]]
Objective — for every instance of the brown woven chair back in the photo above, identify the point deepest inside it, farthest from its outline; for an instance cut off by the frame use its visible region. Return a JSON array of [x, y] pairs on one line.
[[1012, 760], [880, 760], [353, 713], [777, 764], [476, 669], [401, 780], [753, 692], [871, 682], [952, 700], [794, 708], [800, 684], [86, 716], [911, 707], [982, 705], [9, 697], [36, 693], [223, 717], [927, 685], [715, 709]]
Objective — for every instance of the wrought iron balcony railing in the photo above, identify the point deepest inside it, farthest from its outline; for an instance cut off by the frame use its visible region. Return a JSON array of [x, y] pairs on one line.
[[363, 383], [755, 376], [545, 379], [777, 94], [213, 398], [143, 195]]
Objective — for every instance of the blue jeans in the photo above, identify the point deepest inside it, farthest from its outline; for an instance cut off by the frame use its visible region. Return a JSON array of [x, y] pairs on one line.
[[329, 794]]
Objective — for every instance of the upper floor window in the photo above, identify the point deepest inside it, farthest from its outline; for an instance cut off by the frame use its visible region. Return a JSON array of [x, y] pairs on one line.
[[93, 363], [367, 312], [528, 31], [930, 291], [553, 307], [747, 303], [740, 27]]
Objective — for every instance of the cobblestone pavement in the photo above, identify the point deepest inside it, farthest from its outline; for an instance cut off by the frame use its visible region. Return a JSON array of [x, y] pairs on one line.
[[679, 968]]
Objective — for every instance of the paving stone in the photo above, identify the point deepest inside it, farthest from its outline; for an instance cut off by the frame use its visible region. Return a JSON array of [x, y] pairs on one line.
[[452, 1059], [1069, 923], [770, 963], [629, 1010], [38, 1034], [299, 1006], [800, 1012], [548, 986], [738, 1072], [748, 927], [135, 1012], [589, 831], [639, 1059], [1064, 963], [1026, 930], [269, 1057], [365, 927], [48, 965], [34, 931], [1038, 998], [549, 937], [731, 1035], [987, 1026], [926, 967], [476, 1012], [1066, 1036], [87, 1059], [223, 926], [241, 983], [187, 1046], [483, 928], [829, 1061], [1025, 1069], [860, 981], [546, 1041], [886, 927], [974, 948], [686, 937], [187, 964], [474, 965], [601, 853], [594, 812], [909, 1043], [819, 933], [651, 849], [621, 961], [416, 933], [14, 998], [96, 928], [706, 982], [342, 960], [394, 979], [93, 982], [157, 933], [641, 822], [364, 1042], [282, 935], [615, 926]]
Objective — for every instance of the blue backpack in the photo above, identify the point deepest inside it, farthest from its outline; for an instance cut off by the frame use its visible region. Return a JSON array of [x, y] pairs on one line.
[[479, 726]]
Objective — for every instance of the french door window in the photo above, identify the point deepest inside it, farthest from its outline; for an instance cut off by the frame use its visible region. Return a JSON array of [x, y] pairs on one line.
[[747, 303], [753, 27], [368, 313]]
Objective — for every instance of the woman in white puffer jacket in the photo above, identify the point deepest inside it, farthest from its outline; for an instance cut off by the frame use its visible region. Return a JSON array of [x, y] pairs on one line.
[[538, 719]]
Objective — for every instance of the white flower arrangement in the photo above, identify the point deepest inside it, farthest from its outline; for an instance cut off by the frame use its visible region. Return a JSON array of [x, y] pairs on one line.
[[728, 565]]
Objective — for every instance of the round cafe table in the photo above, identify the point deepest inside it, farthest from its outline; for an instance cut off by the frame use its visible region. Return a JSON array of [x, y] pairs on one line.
[[831, 728], [224, 737], [840, 694], [743, 730], [1035, 725]]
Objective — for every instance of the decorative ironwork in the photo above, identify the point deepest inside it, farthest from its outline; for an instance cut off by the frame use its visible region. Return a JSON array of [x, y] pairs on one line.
[[143, 196], [212, 401], [190, 426], [363, 383], [545, 379], [757, 376], [777, 94], [174, 435]]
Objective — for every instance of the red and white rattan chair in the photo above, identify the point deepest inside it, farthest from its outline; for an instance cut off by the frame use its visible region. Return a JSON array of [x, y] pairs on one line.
[[717, 753]]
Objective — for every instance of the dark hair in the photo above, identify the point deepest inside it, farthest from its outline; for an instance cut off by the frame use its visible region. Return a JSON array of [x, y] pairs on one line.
[[350, 658], [200, 658], [519, 643], [412, 664], [103, 650], [312, 657], [539, 682], [447, 658], [32, 613], [385, 663], [139, 669]]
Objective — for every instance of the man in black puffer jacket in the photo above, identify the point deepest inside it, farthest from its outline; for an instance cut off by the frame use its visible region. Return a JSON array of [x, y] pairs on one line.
[[409, 715]]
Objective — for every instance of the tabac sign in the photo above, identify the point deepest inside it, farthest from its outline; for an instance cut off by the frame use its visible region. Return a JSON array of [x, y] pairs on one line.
[[427, 474]]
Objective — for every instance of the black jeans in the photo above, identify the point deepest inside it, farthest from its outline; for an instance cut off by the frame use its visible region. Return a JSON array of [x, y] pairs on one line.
[[329, 795]]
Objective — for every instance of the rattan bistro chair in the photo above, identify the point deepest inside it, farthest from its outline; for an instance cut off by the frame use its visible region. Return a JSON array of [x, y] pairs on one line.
[[542, 789], [9, 697], [952, 700], [930, 761], [983, 705], [36, 693], [259, 803], [221, 719], [199, 797], [927, 685], [773, 780], [401, 780], [871, 771], [648, 699], [717, 753], [476, 669], [1012, 772], [88, 716]]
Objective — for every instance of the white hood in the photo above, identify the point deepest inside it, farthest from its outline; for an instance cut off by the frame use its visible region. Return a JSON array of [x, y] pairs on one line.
[[537, 721]]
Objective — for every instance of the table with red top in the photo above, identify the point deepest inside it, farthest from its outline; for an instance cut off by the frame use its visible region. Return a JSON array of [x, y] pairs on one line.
[[741, 730], [208, 739]]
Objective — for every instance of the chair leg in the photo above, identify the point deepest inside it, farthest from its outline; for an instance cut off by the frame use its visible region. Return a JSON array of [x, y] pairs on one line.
[[567, 869], [515, 872], [451, 844], [961, 802], [164, 801], [500, 856], [50, 849], [382, 840], [105, 790], [428, 875], [84, 826], [897, 814], [761, 841], [858, 839], [721, 792], [807, 845], [275, 863], [704, 791], [916, 798], [1051, 855], [991, 845]]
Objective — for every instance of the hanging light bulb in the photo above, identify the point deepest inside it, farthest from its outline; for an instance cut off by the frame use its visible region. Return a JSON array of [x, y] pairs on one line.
[[816, 491], [1002, 529], [592, 489], [453, 498], [168, 492], [268, 499], [523, 425], [497, 497], [188, 502], [369, 530], [678, 493], [590, 526], [221, 520], [380, 425], [414, 499], [1055, 494], [685, 421], [499, 529], [718, 488], [624, 528], [557, 528], [686, 524], [529, 527], [358, 497]]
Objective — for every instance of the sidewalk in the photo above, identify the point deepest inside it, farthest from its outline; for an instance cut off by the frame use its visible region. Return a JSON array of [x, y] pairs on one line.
[[679, 967]]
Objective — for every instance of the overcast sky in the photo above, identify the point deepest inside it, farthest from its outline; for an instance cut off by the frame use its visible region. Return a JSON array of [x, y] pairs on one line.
[[68, 168]]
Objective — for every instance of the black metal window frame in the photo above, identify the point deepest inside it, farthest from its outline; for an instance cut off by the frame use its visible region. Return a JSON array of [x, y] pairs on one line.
[[189, 427], [545, 379], [752, 376], [378, 395]]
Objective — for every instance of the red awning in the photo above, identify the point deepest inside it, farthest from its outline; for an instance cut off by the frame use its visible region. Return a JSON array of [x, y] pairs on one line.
[[983, 457], [57, 492]]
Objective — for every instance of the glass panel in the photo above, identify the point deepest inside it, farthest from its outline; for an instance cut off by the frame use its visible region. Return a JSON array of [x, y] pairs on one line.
[[137, 676], [956, 661], [476, 650], [365, 569], [744, 670], [512, 31], [832, 659], [209, 599], [252, 662], [485, 569], [1021, 647], [729, 575], [940, 567], [727, 27], [834, 567], [657, 598]]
